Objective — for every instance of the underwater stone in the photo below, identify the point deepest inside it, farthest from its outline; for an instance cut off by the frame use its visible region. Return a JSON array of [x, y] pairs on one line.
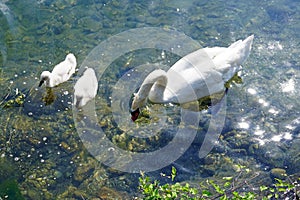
[[270, 155], [66, 147], [83, 171], [33, 194], [34, 142], [278, 173], [57, 174], [294, 163], [72, 193], [110, 194], [209, 160]]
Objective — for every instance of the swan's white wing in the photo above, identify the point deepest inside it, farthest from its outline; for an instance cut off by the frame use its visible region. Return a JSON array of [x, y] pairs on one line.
[[64, 70], [204, 71], [61, 68], [229, 61], [235, 44], [192, 78], [214, 51]]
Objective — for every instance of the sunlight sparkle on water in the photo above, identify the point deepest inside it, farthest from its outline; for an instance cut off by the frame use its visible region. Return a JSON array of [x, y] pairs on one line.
[[273, 111], [288, 86], [259, 132], [263, 102], [260, 141], [244, 125], [252, 91], [290, 127], [276, 138], [275, 45], [287, 136]]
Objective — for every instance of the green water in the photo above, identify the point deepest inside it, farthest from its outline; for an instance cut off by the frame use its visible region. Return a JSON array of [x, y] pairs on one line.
[[38, 137]]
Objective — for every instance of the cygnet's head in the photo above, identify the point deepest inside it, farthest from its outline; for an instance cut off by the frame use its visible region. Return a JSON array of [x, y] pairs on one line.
[[89, 72], [71, 58], [45, 76]]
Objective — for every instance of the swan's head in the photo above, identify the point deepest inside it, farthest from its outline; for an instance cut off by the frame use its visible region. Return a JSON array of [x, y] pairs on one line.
[[71, 58], [45, 76], [135, 114], [135, 106]]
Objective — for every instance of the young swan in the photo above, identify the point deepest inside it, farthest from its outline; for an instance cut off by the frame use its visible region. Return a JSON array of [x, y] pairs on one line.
[[196, 75], [60, 73], [85, 88]]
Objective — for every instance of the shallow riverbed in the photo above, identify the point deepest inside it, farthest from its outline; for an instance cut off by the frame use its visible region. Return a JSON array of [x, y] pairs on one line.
[[53, 151]]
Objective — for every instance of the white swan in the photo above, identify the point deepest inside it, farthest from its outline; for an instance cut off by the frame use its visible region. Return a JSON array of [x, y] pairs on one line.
[[85, 88], [196, 75], [60, 73]]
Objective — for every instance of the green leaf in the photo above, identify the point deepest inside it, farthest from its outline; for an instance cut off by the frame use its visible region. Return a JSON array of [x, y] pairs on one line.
[[281, 189], [193, 191], [217, 187], [250, 195], [173, 174], [228, 178], [235, 193], [227, 184], [206, 193], [223, 197], [263, 188], [291, 186]]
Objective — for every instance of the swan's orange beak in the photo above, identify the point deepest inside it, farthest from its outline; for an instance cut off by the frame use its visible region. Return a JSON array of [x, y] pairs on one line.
[[135, 114]]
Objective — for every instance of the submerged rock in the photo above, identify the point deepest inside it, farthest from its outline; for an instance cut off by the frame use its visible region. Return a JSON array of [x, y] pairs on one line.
[[107, 193], [278, 173]]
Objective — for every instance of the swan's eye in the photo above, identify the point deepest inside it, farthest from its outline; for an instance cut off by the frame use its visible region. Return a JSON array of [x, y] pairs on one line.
[[135, 114]]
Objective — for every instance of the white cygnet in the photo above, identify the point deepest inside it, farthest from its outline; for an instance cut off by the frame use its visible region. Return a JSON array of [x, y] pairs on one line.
[[60, 73], [85, 88]]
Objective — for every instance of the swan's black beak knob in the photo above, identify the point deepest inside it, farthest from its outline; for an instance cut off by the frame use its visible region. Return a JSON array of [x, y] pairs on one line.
[[135, 114], [41, 82]]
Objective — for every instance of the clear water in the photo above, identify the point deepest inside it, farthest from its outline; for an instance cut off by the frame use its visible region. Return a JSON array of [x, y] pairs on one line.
[[43, 151]]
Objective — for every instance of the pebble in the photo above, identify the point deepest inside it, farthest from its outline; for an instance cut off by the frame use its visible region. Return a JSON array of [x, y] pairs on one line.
[[278, 173]]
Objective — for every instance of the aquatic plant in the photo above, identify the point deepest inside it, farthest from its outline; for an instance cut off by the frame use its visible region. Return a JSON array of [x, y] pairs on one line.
[[229, 189], [14, 100], [9, 188]]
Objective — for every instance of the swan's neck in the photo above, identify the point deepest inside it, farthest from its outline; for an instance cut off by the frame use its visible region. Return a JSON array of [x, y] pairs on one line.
[[152, 87], [51, 80]]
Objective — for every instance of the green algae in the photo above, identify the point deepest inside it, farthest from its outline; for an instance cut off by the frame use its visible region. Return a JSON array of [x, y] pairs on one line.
[[9, 190], [9, 187], [15, 100]]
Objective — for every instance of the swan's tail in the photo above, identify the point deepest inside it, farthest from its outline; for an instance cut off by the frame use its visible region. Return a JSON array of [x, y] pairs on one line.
[[247, 41], [242, 50], [247, 45], [234, 56]]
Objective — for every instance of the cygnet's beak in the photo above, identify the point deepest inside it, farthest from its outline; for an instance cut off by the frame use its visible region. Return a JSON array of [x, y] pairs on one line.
[[135, 114], [41, 82]]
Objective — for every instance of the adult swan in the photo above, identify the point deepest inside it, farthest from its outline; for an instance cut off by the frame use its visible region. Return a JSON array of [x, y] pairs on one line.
[[196, 75]]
